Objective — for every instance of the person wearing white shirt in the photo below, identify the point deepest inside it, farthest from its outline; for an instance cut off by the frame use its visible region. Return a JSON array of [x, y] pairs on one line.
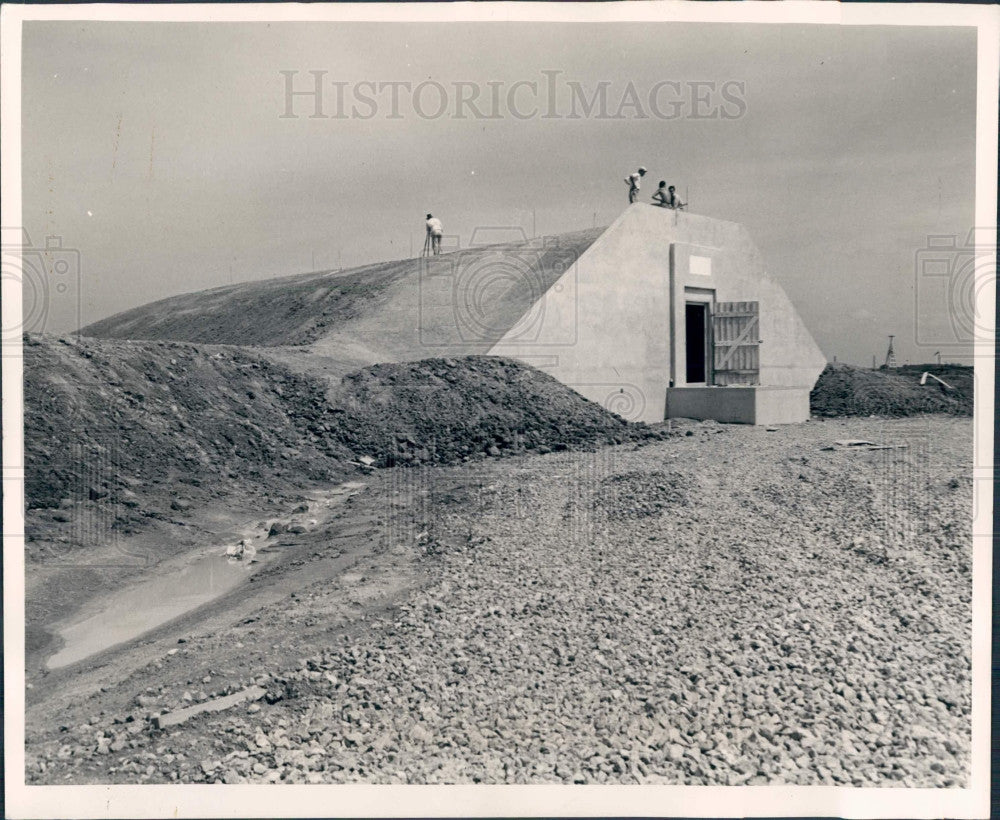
[[434, 232], [632, 180]]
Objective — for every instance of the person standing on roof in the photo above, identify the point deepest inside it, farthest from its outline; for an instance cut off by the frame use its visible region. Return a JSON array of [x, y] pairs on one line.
[[434, 233], [632, 180]]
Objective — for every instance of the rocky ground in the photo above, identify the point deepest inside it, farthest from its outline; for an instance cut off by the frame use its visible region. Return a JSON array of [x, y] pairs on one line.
[[728, 605]]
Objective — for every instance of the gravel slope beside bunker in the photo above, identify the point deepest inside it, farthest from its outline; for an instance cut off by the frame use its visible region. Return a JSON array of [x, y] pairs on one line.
[[734, 606]]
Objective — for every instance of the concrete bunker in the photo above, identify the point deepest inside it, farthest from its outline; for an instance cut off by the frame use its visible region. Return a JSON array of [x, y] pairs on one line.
[[663, 314], [670, 314]]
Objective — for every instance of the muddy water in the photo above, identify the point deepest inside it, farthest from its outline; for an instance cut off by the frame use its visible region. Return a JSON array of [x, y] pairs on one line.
[[178, 587], [149, 604]]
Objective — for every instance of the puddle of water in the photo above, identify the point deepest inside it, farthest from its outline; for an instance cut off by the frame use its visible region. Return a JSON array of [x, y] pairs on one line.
[[148, 605], [138, 609]]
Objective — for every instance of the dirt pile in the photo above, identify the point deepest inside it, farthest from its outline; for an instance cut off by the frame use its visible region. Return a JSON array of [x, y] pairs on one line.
[[446, 410], [139, 430], [843, 390], [146, 429]]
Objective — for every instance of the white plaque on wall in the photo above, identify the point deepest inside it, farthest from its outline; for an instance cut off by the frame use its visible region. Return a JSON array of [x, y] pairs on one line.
[[701, 265]]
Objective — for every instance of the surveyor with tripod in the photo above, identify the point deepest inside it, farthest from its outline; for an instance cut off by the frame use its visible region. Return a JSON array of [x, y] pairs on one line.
[[432, 242]]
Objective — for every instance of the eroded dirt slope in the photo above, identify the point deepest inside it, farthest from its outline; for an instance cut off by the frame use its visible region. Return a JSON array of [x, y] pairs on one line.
[[138, 425], [132, 426], [137, 451], [158, 442]]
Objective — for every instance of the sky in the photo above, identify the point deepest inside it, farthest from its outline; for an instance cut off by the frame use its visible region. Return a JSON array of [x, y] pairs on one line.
[[158, 153]]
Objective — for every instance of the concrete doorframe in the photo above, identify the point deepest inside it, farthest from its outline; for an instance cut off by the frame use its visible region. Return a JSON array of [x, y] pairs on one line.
[[706, 297]]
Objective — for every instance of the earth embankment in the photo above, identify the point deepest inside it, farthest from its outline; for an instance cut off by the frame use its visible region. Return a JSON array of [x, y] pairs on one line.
[[844, 390]]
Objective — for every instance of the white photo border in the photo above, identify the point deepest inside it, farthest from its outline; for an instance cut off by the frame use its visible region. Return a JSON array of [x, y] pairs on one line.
[[541, 800]]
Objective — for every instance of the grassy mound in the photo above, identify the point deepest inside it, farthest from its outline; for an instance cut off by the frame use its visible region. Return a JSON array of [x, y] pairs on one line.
[[843, 390], [353, 307]]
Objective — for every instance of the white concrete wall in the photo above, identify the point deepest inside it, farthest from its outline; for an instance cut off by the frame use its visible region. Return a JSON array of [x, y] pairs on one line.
[[606, 328], [740, 405], [789, 357], [614, 304]]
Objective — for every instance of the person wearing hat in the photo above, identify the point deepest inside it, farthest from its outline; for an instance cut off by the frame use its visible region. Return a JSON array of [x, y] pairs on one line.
[[632, 180], [434, 233]]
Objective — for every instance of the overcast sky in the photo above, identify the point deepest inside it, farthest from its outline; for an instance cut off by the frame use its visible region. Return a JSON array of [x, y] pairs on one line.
[[158, 150]]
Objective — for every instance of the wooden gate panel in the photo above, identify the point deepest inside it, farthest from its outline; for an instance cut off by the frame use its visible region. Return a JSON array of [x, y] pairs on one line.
[[736, 342]]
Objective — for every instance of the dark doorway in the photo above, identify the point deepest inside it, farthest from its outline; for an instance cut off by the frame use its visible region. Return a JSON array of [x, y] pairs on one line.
[[695, 327]]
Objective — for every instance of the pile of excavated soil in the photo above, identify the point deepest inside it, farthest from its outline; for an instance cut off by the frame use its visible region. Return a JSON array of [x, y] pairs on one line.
[[154, 428], [446, 410], [152, 440], [843, 390]]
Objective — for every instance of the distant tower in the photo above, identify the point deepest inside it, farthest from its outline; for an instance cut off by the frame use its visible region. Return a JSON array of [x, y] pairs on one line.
[[890, 355]]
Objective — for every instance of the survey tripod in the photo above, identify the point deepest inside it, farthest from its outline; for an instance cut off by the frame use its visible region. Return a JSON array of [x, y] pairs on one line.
[[429, 245]]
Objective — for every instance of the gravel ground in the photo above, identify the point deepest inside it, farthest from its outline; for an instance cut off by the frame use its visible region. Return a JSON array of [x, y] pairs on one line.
[[728, 606]]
